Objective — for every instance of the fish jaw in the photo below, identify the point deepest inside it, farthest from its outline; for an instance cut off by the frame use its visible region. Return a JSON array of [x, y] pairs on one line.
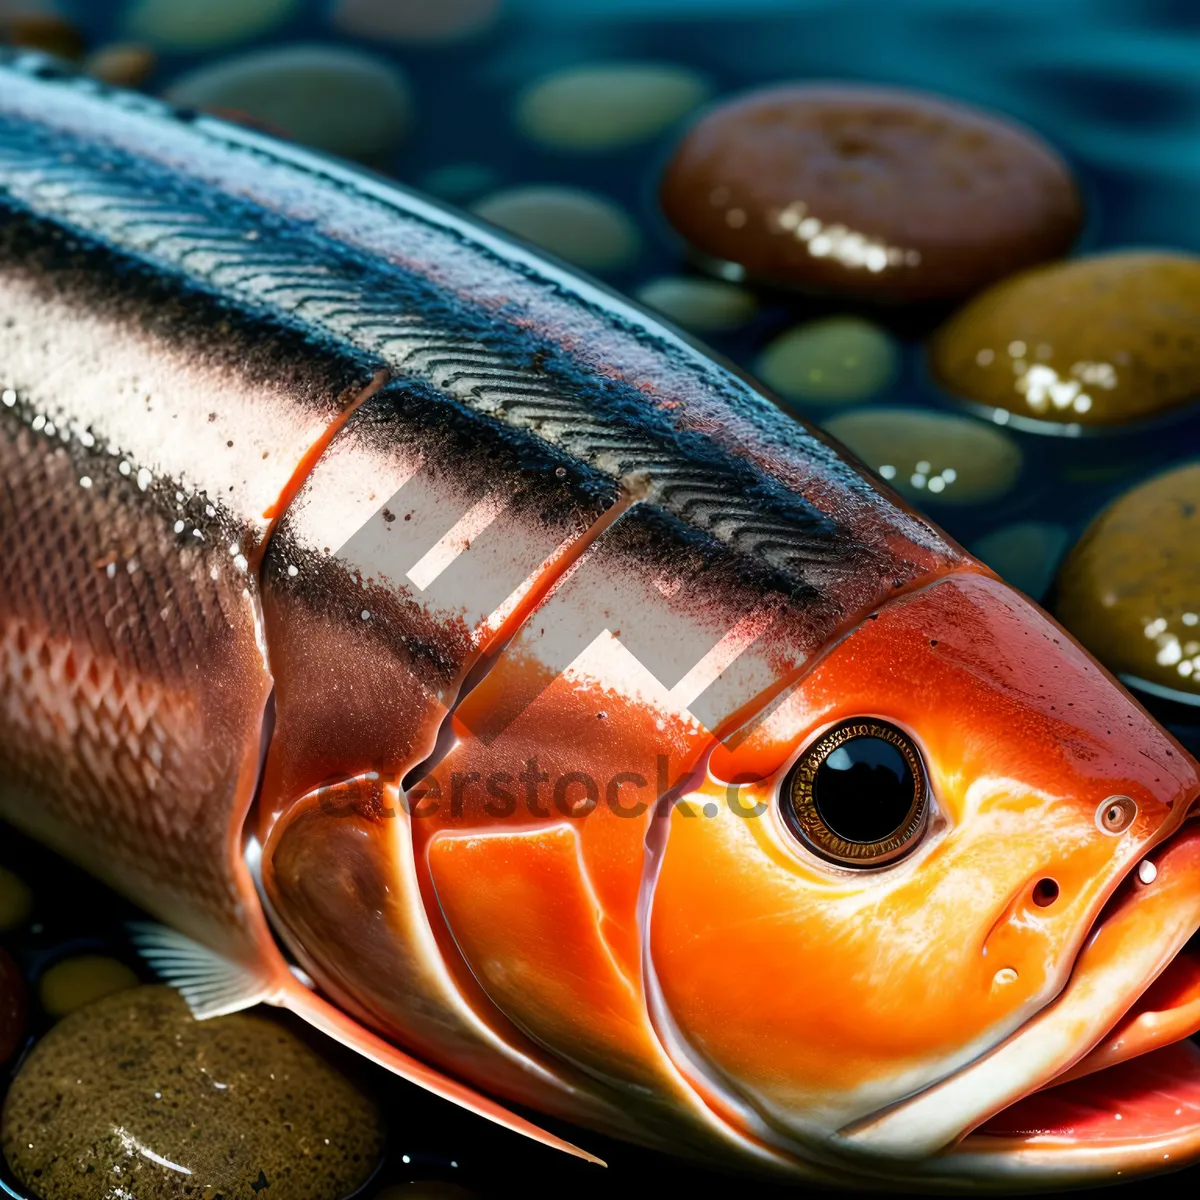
[[1085, 1091]]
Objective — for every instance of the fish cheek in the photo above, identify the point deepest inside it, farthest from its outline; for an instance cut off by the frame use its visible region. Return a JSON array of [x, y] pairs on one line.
[[778, 977], [825, 994]]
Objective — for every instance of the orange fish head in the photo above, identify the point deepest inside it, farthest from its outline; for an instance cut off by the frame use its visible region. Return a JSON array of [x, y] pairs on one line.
[[934, 886]]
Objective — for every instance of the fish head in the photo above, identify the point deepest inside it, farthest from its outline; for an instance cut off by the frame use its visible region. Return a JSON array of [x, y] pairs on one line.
[[948, 874]]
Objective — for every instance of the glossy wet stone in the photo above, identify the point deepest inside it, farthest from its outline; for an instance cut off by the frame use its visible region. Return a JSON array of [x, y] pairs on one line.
[[16, 901], [931, 457], [1103, 340], [1025, 554], [1130, 588], [834, 360], [131, 1092], [12, 1007], [79, 981], [608, 105], [702, 305], [204, 24], [340, 100], [413, 20], [871, 191], [580, 226]]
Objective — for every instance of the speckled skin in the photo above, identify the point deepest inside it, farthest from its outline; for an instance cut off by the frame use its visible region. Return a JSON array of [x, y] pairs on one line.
[[535, 586]]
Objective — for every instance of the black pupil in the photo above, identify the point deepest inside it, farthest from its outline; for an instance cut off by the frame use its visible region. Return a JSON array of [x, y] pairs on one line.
[[864, 789]]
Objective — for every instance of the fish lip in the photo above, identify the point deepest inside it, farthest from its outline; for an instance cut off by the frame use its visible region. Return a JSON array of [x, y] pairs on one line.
[[861, 1138]]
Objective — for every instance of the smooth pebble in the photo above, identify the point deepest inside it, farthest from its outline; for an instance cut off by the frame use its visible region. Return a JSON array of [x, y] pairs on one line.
[[134, 1088], [12, 1007], [16, 901], [579, 226], [608, 105], [702, 305], [413, 20], [36, 30], [123, 64], [1102, 340], [77, 982], [1025, 554], [930, 456], [891, 194], [204, 24], [833, 360], [1130, 588], [336, 99]]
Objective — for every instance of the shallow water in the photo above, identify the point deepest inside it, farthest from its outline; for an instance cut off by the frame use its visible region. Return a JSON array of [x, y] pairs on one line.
[[1112, 84]]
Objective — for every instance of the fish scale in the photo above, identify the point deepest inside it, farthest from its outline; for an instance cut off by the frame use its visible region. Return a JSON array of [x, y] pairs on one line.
[[312, 280], [195, 299], [385, 601]]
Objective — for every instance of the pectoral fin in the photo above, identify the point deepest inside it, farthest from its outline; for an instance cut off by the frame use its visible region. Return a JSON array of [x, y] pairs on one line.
[[213, 986]]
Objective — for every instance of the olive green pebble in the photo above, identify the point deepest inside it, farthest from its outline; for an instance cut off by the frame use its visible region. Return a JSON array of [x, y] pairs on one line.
[[834, 360], [702, 305], [76, 982], [336, 98], [1130, 588], [131, 1095], [929, 456], [189, 26], [580, 226], [605, 106], [16, 901]]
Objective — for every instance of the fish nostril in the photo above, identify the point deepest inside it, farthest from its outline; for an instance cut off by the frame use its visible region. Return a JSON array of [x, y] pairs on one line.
[[1116, 814], [1045, 892]]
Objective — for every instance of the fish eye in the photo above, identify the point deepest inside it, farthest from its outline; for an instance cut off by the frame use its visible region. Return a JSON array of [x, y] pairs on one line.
[[858, 795]]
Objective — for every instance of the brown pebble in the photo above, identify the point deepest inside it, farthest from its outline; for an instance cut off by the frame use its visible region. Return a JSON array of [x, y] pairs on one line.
[[43, 31], [877, 192], [1103, 340], [1130, 589], [123, 64], [133, 1089], [12, 1007]]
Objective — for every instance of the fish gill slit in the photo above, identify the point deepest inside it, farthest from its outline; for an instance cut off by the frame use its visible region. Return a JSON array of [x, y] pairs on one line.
[[710, 1091], [307, 463], [265, 925]]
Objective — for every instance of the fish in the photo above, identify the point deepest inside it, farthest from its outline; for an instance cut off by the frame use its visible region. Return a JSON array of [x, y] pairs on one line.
[[439, 646]]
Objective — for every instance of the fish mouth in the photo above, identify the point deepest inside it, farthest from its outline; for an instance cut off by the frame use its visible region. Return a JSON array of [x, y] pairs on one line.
[[1101, 1083]]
